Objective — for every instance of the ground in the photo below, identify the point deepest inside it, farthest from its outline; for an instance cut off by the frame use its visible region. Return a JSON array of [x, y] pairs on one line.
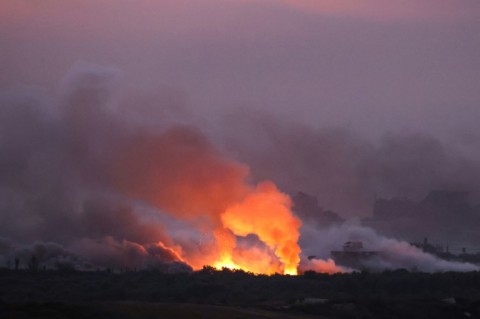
[[232, 294]]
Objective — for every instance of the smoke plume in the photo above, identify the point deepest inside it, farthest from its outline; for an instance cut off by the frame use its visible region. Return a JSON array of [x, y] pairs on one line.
[[78, 171], [393, 254]]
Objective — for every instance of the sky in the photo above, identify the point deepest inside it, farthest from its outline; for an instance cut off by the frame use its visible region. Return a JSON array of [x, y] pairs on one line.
[[372, 65]]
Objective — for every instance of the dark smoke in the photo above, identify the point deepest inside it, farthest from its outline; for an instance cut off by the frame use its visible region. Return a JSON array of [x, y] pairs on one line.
[[348, 173], [57, 183]]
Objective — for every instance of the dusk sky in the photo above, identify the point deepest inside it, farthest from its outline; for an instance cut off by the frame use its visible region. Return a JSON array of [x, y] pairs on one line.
[[372, 66]]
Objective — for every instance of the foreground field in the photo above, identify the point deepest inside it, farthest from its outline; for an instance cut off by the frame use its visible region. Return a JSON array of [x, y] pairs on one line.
[[133, 310], [332, 309], [235, 294]]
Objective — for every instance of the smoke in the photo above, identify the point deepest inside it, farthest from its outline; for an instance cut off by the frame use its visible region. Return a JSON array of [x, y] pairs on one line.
[[345, 170], [392, 253], [327, 266], [108, 252], [347, 173], [89, 180], [77, 170], [40, 255], [180, 171], [89, 254], [91, 164], [57, 183]]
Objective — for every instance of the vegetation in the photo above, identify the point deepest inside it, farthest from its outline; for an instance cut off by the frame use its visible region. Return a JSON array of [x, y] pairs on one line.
[[393, 294]]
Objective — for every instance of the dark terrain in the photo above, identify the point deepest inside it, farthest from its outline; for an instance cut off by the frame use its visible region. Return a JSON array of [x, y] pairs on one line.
[[236, 294]]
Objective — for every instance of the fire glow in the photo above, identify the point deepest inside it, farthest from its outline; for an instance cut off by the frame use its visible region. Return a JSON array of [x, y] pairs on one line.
[[196, 184], [265, 213]]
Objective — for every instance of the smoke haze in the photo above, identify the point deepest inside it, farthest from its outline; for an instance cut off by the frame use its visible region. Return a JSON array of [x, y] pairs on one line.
[[186, 107]]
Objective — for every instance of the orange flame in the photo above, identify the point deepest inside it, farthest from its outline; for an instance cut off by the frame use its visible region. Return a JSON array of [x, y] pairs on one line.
[[266, 212]]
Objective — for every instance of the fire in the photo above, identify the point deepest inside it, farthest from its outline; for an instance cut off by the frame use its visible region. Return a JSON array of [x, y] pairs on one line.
[[226, 262], [226, 243], [266, 213], [247, 227]]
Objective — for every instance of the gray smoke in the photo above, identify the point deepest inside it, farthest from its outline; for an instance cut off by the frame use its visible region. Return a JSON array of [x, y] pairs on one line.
[[56, 182], [90, 170], [344, 170], [393, 254], [40, 255]]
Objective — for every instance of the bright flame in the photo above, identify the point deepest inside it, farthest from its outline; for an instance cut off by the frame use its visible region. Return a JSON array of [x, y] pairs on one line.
[[226, 262], [226, 243], [291, 272], [266, 212]]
